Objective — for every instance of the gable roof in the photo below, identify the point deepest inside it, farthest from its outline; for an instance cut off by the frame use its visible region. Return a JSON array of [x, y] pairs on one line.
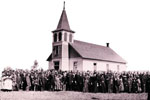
[[96, 52], [49, 58], [73, 53]]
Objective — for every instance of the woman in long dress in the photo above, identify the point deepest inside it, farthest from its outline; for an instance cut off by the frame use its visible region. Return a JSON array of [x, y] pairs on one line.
[[28, 82], [121, 85], [130, 83], [7, 83], [57, 82], [86, 83]]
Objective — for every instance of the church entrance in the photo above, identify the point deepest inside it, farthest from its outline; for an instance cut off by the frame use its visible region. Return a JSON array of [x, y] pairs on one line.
[[56, 65]]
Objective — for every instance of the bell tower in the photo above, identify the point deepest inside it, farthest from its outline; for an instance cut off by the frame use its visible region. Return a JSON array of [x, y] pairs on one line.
[[62, 36]]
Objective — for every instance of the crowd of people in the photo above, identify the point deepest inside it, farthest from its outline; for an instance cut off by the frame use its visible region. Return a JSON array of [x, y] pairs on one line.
[[96, 81]]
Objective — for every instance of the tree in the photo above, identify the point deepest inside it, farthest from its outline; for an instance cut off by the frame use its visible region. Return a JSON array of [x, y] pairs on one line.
[[34, 67]]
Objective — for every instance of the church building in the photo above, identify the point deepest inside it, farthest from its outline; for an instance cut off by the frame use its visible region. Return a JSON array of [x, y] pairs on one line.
[[70, 54]]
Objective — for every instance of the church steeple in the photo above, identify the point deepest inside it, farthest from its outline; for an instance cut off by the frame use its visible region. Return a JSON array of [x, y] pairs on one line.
[[63, 22]]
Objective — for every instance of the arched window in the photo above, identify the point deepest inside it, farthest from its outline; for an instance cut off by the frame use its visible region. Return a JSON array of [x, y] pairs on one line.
[[55, 37], [70, 38], [60, 36], [65, 37]]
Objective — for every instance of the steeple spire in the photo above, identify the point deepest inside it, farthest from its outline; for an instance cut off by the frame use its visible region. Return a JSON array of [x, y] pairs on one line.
[[63, 22], [64, 6]]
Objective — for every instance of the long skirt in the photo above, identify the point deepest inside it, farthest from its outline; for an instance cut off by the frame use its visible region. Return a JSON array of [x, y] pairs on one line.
[[85, 88], [7, 84]]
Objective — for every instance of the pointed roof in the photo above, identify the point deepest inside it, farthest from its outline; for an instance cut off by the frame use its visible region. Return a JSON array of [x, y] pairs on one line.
[[63, 23]]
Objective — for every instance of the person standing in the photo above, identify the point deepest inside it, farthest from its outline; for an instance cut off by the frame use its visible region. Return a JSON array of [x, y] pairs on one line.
[[110, 84], [103, 85], [86, 83], [139, 84], [23, 81], [14, 84], [36, 82], [125, 82], [28, 80], [130, 82], [18, 82], [143, 80], [134, 85], [148, 83], [69, 81], [43, 81], [121, 85], [63, 81], [116, 83]]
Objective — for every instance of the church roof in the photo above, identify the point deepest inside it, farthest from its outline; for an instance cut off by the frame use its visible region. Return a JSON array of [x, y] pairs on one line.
[[49, 58], [96, 52], [63, 23]]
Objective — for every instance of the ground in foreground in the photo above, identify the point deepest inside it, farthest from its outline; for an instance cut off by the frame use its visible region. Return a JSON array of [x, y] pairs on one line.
[[68, 95]]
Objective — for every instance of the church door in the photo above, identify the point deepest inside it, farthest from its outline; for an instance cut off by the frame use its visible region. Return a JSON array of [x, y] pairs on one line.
[[56, 65]]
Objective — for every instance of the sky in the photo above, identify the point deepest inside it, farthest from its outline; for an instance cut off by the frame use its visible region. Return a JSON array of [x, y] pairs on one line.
[[26, 25]]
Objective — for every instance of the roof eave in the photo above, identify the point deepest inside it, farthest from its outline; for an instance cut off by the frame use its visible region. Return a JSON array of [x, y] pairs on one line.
[[105, 60], [57, 30], [49, 58]]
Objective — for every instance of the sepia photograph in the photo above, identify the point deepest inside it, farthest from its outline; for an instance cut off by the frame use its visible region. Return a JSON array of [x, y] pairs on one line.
[[74, 50]]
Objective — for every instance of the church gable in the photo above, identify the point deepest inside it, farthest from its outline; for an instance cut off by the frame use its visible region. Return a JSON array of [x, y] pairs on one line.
[[73, 53]]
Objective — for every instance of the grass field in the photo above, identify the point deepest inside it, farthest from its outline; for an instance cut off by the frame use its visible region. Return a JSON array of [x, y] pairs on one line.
[[67, 95]]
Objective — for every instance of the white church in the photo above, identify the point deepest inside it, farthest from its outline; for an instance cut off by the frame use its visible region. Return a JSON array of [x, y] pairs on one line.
[[70, 54]]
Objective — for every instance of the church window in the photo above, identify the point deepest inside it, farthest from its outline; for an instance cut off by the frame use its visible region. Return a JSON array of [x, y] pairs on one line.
[[55, 37], [118, 68], [95, 66], [75, 66], [57, 51], [60, 36], [70, 38], [107, 67], [65, 37]]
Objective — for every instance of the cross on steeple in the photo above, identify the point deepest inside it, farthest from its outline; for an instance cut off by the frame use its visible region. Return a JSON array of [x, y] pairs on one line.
[[64, 6]]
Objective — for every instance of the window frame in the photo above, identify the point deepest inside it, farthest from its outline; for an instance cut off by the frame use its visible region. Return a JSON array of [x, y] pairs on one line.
[[65, 36], [60, 36], [107, 67], [70, 37], [55, 37]]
